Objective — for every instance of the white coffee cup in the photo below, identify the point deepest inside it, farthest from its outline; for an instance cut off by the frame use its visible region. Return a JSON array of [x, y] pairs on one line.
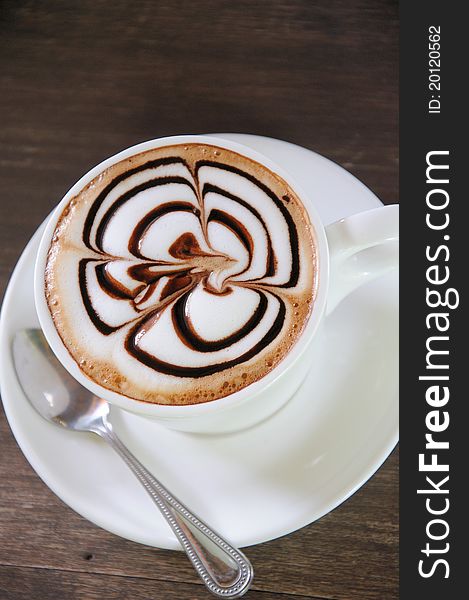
[[350, 252]]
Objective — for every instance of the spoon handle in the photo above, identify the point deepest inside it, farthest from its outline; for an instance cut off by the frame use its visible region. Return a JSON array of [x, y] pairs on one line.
[[226, 572]]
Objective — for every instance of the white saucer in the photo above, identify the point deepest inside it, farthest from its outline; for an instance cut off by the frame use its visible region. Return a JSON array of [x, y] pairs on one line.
[[261, 483]]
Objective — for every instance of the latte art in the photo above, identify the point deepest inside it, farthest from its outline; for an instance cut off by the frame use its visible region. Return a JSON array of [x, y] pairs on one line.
[[181, 274]]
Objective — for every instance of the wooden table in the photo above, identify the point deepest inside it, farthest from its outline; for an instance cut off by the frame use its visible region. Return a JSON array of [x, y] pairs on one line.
[[83, 80]]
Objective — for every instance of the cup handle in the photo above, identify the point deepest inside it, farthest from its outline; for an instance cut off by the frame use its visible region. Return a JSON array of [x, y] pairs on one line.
[[361, 248]]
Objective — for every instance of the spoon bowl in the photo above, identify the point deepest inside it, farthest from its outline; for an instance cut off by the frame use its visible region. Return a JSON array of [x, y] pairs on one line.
[[52, 391]]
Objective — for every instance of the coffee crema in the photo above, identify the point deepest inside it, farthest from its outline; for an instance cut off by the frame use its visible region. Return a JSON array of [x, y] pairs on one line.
[[181, 274]]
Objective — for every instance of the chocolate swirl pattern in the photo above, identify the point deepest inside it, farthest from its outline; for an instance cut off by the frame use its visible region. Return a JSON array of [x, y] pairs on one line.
[[192, 264]]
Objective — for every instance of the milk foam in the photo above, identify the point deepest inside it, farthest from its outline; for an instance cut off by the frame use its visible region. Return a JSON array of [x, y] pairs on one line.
[[182, 274]]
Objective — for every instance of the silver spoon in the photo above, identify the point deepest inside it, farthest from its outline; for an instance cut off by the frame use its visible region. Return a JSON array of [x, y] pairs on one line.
[[59, 398]]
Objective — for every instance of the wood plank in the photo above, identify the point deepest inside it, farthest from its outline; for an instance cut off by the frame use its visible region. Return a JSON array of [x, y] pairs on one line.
[[26, 584]]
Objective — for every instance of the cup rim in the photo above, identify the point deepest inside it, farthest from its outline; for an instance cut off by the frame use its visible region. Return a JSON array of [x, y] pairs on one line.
[[182, 411]]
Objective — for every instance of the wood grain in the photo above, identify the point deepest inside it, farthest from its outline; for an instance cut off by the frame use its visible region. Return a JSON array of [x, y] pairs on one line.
[[23, 584], [80, 81]]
